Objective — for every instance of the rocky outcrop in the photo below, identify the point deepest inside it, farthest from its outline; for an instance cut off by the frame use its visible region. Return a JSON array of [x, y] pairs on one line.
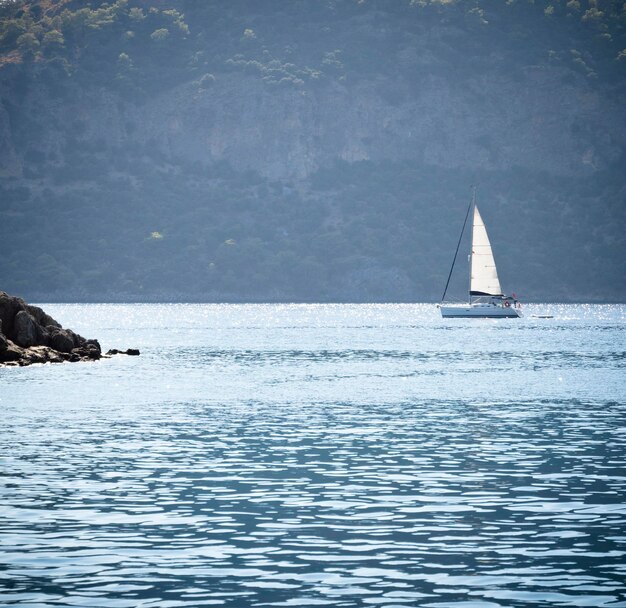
[[29, 335], [128, 351]]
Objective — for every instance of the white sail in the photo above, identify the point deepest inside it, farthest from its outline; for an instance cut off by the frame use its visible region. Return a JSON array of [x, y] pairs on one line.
[[484, 276]]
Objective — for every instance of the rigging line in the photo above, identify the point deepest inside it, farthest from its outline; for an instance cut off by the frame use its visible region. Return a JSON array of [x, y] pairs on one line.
[[458, 244]]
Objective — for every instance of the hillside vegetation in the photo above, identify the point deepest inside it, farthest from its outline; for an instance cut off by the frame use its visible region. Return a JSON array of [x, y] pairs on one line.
[[310, 150]]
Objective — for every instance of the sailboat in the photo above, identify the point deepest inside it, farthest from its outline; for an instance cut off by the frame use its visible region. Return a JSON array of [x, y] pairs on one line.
[[486, 299]]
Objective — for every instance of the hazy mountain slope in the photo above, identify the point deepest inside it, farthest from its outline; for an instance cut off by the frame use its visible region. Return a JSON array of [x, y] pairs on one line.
[[309, 150]]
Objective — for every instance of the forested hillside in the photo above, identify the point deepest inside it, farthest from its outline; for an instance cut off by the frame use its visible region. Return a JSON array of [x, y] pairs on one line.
[[309, 150]]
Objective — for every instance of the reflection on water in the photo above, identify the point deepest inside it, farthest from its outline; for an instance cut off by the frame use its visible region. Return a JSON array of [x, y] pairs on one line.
[[357, 457]]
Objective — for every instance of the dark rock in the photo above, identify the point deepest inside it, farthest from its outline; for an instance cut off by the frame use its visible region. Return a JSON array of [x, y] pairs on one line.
[[11, 353], [129, 351], [3, 341], [9, 306], [39, 354], [78, 340], [23, 323], [41, 317], [62, 340], [95, 343], [93, 351], [87, 351], [93, 347], [29, 335], [25, 329]]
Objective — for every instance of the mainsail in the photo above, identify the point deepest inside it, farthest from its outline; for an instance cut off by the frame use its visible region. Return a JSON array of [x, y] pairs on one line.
[[484, 276]]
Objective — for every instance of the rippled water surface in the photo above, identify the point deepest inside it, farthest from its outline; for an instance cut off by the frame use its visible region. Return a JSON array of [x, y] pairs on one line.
[[319, 455]]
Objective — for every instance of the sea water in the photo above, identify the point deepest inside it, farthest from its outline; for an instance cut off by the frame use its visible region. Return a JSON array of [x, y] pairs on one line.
[[319, 455]]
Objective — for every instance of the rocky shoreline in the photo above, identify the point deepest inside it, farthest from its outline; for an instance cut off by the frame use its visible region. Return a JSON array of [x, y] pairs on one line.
[[28, 335]]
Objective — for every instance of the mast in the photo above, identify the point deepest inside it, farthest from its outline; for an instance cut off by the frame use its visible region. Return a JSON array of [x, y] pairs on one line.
[[472, 207], [469, 208]]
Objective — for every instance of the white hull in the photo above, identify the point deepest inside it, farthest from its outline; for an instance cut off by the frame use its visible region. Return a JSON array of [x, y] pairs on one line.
[[479, 311]]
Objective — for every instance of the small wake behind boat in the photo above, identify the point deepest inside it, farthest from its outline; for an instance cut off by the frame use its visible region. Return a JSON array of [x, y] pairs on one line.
[[486, 299]]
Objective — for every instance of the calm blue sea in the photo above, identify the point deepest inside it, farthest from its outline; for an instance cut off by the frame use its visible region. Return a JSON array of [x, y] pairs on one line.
[[319, 455]]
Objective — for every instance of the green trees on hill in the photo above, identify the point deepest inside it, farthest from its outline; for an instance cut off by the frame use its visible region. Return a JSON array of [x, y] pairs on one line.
[[86, 39], [33, 30]]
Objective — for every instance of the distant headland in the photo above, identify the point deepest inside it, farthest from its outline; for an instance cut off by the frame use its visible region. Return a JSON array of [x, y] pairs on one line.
[[28, 335]]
